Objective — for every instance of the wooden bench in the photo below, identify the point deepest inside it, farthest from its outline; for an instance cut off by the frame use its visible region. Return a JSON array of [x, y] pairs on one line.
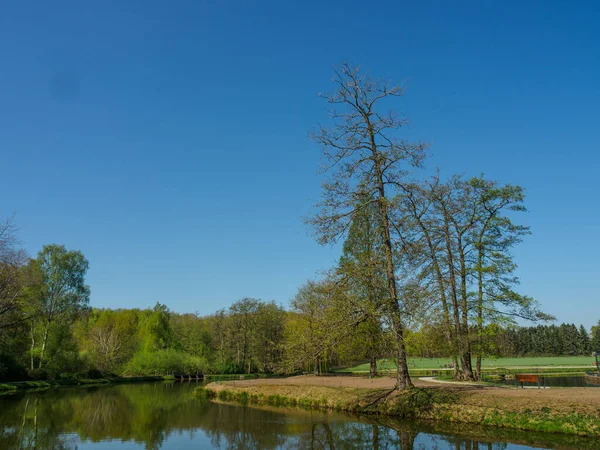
[[529, 378]]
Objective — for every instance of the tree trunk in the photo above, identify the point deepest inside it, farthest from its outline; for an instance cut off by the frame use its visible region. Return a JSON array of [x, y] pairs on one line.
[[479, 306], [403, 377], [466, 366], [373, 366], [466, 361], [454, 294], [32, 344], [440, 281], [403, 380], [457, 375], [44, 342]]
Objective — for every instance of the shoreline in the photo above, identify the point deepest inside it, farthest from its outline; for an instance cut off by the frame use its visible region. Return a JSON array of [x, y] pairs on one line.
[[15, 387], [566, 411]]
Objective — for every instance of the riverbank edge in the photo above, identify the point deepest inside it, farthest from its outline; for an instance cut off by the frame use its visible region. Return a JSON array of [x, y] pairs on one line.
[[419, 404], [19, 386]]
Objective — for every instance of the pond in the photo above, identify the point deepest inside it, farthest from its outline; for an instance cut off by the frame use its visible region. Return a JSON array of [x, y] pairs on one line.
[[553, 381], [167, 416]]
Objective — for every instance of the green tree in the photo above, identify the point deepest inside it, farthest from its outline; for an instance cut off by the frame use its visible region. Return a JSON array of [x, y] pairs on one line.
[[61, 294], [596, 338], [110, 338], [242, 325], [362, 275], [585, 344], [309, 331], [267, 345], [493, 237], [155, 331], [191, 334], [459, 241]]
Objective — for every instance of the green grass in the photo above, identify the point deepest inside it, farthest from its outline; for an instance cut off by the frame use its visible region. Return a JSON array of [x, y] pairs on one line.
[[437, 363]]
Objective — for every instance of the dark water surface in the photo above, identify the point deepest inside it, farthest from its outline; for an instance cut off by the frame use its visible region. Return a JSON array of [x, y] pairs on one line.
[[167, 416], [551, 381]]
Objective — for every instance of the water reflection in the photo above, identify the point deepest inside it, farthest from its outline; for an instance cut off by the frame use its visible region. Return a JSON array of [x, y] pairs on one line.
[[167, 416]]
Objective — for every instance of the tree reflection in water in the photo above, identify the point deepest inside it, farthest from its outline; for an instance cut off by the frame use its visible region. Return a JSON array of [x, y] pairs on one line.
[[167, 416]]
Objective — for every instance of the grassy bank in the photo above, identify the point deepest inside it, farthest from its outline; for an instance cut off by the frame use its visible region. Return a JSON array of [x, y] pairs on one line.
[[224, 377], [435, 404], [17, 386]]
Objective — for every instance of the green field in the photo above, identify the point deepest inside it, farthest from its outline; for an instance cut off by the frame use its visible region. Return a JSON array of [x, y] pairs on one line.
[[438, 363]]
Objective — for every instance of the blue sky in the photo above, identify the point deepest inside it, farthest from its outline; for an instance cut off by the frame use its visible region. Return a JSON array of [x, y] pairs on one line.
[[169, 140]]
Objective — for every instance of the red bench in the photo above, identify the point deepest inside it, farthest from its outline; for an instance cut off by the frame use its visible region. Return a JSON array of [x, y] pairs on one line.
[[529, 378]]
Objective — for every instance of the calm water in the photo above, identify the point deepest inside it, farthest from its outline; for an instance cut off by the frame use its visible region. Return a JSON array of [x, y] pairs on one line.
[[167, 416], [570, 381]]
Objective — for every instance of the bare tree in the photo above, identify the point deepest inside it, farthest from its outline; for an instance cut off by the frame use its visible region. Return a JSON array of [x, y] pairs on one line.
[[367, 164], [12, 276]]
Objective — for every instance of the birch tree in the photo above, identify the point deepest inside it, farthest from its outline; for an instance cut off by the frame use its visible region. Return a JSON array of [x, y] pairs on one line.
[[63, 291]]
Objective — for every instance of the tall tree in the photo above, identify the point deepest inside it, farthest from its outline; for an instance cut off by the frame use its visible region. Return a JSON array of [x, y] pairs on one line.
[[268, 336], [109, 337], [62, 291], [585, 345], [243, 322], [315, 327], [493, 237], [426, 252], [367, 163], [13, 277]]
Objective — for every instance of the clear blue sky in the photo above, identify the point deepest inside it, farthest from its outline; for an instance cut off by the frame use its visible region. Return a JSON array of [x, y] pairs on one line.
[[168, 140]]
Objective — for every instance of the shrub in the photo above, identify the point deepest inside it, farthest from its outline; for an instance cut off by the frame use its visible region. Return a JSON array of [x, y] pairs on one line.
[[165, 362], [95, 374], [38, 374]]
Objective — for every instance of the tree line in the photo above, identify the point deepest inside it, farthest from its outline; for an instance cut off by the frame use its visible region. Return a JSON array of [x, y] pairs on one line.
[[48, 329], [504, 342], [565, 340]]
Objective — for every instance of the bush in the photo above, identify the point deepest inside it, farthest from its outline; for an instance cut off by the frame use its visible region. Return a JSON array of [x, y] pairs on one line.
[[165, 362], [224, 368], [38, 374], [94, 374], [68, 376], [203, 393], [11, 369]]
